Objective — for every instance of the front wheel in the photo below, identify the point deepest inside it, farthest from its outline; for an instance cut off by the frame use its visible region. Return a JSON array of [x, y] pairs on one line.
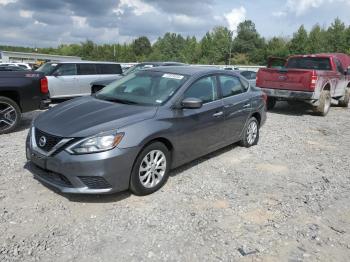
[[324, 103], [10, 115], [250, 133], [151, 169]]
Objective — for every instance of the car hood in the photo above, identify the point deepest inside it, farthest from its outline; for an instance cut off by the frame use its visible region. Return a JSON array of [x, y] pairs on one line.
[[88, 116]]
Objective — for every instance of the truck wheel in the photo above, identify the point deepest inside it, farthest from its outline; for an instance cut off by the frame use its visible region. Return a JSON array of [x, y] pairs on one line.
[[271, 102], [344, 102], [10, 115], [324, 103]]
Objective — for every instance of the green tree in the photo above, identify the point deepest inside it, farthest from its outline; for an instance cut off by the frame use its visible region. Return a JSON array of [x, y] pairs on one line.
[[336, 36], [248, 41], [142, 46], [298, 44], [317, 40]]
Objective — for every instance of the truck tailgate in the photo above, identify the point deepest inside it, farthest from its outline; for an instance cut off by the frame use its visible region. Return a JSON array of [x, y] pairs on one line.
[[286, 79]]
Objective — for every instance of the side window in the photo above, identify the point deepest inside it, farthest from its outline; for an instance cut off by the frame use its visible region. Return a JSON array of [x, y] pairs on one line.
[[204, 89], [87, 69], [109, 69], [66, 70], [230, 86], [339, 66]]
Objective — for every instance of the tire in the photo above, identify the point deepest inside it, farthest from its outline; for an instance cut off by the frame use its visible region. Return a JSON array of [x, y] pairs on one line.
[[271, 102], [10, 115], [250, 137], [344, 102], [324, 105], [139, 177]]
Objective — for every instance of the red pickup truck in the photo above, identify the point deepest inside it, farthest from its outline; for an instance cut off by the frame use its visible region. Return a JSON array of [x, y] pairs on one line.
[[318, 79]]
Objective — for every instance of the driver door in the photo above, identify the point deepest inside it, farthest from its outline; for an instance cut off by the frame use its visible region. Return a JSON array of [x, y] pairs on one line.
[[201, 130]]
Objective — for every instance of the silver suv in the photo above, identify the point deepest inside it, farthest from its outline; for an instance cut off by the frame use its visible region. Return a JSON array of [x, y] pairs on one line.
[[72, 79]]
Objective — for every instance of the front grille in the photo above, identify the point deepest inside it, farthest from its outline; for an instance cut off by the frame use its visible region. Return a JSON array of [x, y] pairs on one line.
[[95, 182], [50, 140]]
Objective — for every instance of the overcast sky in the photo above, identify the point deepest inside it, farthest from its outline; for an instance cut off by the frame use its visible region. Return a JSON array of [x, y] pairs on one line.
[[44, 23]]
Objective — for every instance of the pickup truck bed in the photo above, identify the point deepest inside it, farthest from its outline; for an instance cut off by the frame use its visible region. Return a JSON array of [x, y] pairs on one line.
[[20, 92]]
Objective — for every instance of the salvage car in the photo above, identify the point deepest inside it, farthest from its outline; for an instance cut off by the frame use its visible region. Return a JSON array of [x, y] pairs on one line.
[[314, 79], [73, 79], [20, 92], [130, 134]]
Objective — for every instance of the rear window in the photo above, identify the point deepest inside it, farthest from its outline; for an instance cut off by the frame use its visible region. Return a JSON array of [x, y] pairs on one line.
[[87, 69], [313, 63], [109, 69]]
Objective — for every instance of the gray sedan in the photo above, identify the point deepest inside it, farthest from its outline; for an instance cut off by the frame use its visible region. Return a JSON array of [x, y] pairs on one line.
[[133, 132]]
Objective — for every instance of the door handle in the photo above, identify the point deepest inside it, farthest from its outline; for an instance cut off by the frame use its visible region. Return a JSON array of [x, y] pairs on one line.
[[246, 105], [218, 114]]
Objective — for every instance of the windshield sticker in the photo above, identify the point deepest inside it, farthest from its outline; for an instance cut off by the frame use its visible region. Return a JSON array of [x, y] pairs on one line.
[[54, 65], [173, 76], [159, 101]]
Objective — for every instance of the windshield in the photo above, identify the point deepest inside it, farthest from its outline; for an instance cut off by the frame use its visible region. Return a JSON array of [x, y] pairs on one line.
[[143, 87], [314, 63], [47, 68]]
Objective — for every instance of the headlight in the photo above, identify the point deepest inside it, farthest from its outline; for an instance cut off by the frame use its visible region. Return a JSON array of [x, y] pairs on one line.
[[96, 144]]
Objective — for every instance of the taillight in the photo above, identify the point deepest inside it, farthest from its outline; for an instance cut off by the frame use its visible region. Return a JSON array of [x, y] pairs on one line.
[[44, 87], [313, 80]]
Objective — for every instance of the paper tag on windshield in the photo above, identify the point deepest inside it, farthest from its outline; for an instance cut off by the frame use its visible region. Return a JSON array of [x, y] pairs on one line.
[[173, 76]]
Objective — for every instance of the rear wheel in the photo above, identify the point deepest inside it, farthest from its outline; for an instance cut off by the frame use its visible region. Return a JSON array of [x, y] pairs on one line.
[[271, 102], [151, 169], [324, 105], [250, 133], [10, 115], [344, 102]]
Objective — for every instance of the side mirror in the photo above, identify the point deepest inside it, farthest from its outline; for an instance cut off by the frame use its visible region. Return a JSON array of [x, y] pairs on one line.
[[56, 74], [191, 103], [347, 71]]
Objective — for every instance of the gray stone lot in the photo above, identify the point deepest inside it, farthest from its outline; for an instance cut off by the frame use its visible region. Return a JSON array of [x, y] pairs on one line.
[[287, 199]]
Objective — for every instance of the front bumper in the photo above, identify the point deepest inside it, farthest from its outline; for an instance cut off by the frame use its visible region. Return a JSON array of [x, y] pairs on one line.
[[98, 173]]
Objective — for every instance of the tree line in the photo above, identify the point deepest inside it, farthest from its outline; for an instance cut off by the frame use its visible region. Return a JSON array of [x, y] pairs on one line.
[[217, 46]]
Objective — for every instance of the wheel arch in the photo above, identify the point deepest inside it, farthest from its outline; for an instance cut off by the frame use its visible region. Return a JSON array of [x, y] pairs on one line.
[[257, 115], [13, 95]]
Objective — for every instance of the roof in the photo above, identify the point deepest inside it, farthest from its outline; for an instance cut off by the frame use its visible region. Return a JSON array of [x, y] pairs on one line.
[[185, 70]]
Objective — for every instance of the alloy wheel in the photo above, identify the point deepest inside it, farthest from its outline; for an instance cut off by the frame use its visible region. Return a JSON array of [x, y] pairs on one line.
[[152, 168], [252, 132], [8, 116]]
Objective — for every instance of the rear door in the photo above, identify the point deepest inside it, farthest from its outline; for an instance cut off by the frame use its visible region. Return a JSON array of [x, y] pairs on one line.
[[87, 74], [237, 105], [63, 81]]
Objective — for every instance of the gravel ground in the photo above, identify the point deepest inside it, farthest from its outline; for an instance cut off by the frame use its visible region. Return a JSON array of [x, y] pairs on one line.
[[286, 199]]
